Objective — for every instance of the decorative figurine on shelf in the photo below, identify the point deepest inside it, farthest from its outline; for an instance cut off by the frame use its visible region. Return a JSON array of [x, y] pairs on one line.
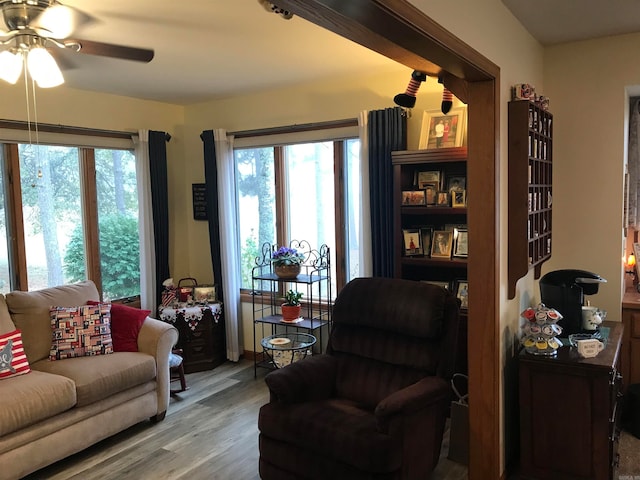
[[169, 293], [540, 330]]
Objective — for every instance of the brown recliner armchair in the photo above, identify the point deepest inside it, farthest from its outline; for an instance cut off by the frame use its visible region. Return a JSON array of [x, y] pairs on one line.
[[374, 406]]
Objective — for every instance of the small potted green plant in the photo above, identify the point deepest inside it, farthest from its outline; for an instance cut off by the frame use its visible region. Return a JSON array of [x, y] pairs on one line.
[[287, 262], [291, 307]]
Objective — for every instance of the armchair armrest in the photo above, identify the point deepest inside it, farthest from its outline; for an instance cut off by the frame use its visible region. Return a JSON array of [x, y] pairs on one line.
[[417, 396], [309, 379], [156, 338]]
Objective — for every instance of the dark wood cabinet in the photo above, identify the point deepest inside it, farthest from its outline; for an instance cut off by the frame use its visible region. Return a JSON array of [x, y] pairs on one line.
[[409, 168], [530, 189], [569, 413], [204, 346]]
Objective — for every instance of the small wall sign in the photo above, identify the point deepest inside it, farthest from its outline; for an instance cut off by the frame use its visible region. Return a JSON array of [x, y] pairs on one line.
[[199, 191]]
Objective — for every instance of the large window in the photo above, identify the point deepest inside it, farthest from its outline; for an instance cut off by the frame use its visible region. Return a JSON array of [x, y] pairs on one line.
[[73, 215], [302, 191]]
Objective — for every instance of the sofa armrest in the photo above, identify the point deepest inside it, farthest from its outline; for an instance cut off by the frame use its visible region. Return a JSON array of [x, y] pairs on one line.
[[312, 378], [418, 396], [157, 338]]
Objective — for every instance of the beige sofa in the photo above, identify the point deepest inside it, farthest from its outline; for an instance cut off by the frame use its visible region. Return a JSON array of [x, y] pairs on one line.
[[63, 406]]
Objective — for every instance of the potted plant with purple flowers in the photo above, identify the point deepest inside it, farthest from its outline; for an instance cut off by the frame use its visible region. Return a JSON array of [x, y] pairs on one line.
[[287, 262]]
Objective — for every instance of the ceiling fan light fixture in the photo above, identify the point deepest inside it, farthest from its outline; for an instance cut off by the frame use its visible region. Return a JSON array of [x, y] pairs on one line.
[[10, 66], [43, 68]]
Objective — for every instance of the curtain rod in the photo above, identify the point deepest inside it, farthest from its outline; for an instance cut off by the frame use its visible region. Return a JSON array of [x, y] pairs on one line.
[[303, 127], [51, 128]]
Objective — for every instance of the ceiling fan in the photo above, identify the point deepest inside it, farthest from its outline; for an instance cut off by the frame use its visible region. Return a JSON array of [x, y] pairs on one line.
[[29, 27]]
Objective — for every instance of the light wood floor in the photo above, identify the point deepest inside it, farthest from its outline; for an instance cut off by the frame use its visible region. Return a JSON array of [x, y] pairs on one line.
[[210, 432]]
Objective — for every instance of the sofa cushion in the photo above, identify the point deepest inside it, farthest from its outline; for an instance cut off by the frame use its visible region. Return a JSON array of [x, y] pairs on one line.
[[30, 313], [28, 399], [101, 376], [6, 323], [13, 361], [80, 331], [126, 323]]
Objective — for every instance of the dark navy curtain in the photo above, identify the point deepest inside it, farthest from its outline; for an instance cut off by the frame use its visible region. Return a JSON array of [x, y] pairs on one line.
[[160, 206], [387, 130], [211, 181]]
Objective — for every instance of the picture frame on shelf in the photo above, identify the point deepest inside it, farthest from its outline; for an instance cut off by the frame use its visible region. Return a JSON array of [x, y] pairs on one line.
[[442, 198], [412, 241], [439, 283], [431, 177], [430, 194], [453, 226], [441, 244], [443, 130], [426, 233], [459, 199], [456, 183], [461, 243], [462, 293], [414, 197]]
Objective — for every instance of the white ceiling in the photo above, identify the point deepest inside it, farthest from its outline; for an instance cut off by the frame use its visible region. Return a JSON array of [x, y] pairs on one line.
[[207, 49], [560, 21]]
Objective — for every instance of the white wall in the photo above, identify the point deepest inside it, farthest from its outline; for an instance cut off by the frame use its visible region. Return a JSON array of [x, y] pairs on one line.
[[587, 82]]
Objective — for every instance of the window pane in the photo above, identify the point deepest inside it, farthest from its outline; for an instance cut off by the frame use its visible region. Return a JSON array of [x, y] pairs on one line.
[[311, 197], [52, 214], [353, 207], [116, 188], [256, 204], [5, 278]]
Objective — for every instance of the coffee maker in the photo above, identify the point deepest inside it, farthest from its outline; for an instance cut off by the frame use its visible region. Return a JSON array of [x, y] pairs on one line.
[[565, 291]]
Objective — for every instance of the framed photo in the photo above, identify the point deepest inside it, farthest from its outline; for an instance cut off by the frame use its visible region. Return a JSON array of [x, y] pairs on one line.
[[429, 178], [442, 131], [454, 226], [441, 244], [461, 243], [412, 242], [462, 293], [430, 194], [413, 197], [204, 294], [459, 199], [439, 283], [442, 199], [456, 184], [426, 233]]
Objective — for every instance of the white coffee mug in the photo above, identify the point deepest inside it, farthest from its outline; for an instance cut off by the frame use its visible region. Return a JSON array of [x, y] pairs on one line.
[[591, 318], [589, 348]]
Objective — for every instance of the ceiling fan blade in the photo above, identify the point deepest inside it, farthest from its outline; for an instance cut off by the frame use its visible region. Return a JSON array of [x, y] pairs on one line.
[[109, 50], [59, 21]]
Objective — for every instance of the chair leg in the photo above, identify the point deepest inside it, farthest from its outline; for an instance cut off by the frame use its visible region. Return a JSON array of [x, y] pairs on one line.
[[179, 371]]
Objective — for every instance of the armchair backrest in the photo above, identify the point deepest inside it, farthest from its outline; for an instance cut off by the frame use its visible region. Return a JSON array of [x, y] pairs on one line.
[[389, 333]]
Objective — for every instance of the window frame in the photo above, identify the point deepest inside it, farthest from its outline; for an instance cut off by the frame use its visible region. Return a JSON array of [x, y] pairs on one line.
[[339, 270], [87, 141]]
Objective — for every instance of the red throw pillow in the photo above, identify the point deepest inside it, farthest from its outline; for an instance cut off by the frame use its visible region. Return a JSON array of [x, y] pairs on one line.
[[126, 323]]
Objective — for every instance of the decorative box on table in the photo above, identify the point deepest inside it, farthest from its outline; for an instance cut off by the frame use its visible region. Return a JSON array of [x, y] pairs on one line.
[[202, 334]]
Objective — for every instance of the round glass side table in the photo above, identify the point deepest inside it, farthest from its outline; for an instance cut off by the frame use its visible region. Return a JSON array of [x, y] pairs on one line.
[[285, 348]]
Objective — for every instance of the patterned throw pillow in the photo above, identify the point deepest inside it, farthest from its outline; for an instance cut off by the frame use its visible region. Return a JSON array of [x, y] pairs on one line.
[[13, 360], [126, 323], [80, 331]]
